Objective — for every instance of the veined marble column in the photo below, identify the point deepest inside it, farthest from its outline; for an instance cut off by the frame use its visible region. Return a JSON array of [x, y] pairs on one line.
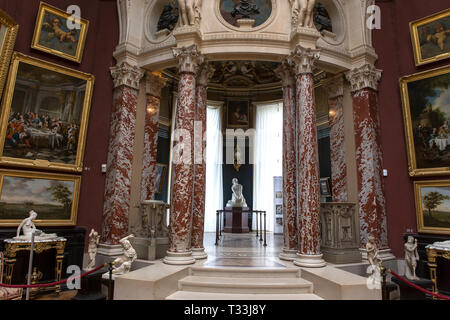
[[198, 218], [120, 155], [290, 232], [308, 196], [335, 89], [154, 85], [369, 158], [181, 204]]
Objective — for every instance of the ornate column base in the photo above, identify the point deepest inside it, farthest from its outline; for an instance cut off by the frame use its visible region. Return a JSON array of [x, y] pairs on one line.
[[288, 255], [179, 258], [310, 261], [199, 253], [383, 254]]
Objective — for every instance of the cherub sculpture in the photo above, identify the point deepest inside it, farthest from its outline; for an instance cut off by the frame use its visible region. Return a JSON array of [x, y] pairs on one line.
[[411, 258], [92, 249], [374, 268], [303, 12], [129, 256]]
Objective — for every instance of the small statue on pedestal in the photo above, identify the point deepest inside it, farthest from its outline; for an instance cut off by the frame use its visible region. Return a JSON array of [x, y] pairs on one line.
[[411, 258], [237, 199], [28, 227], [373, 270], [129, 256], [92, 249]]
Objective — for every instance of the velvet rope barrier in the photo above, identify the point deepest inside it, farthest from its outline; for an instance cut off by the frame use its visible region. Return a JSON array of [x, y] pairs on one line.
[[37, 285], [418, 287]]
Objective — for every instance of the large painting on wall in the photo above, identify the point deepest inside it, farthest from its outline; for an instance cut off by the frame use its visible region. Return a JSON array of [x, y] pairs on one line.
[[431, 37], [45, 115], [8, 34], [433, 206], [59, 33], [426, 112], [53, 196]]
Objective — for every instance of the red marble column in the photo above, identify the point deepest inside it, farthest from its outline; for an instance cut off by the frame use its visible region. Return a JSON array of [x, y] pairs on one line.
[[120, 155], [369, 157], [182, 191], [335, 89], [198, 219], [308, 200], [154, 85], [290, 235]]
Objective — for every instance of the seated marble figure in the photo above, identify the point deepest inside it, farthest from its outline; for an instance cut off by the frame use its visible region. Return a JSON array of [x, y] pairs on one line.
[[27, 226], [237, 199]]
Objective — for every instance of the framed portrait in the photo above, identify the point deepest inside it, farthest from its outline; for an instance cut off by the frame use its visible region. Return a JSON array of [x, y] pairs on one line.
[[426, 114], [60, 33], [53, 196], [238, 114], [325, 189], [8, 34], [161, 172], [45, 115], [279, 195], [279, 209], [431, 37], [433, 206]]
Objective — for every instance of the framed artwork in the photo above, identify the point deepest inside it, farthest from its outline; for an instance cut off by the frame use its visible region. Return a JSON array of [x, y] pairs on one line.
[[279, 209], [53, 196], [58, 33], [279, 195], [325, 189], [433, 206], [45, 115], [8, 34], [238, 114], [426, 114], [431, 38], [161, 171]]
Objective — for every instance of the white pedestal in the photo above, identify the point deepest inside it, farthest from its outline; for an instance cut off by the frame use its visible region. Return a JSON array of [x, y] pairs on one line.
[[288, 255], [199, 253], [310, 261], [176, 258]]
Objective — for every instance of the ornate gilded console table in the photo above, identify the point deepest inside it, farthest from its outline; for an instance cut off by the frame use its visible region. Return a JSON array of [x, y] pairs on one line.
[[435, 250], [13, 246]]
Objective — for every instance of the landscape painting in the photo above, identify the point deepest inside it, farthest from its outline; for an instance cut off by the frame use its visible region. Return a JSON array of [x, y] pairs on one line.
[[433, 206], [426, 110], [53, 197], [45, 115], [58, 33]]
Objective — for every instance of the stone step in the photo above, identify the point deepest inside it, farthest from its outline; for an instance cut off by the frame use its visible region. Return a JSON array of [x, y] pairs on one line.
[[192, 295], [245, 285], [236, 272]]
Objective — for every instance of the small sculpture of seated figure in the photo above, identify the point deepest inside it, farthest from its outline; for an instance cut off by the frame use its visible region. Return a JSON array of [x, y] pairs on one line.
[[28, 227], [237, 199]]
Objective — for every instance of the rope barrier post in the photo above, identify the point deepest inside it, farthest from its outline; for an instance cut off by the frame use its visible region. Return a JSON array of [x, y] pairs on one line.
[[256, 222], [110, 291], [30, 265], [265, 238], [221, 213], [217, 228], [260, 226], [384, 292]]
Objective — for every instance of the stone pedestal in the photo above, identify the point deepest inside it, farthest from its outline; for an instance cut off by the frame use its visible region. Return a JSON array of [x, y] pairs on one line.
[[245, 23], [236, 220]]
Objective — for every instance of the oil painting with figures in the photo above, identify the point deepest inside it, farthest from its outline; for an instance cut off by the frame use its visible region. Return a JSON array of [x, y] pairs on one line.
[[238, 114], [44, 114]]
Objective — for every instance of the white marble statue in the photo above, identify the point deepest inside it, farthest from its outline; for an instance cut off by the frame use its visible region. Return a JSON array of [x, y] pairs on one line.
[[27, 226], [373, 270], [303, 12], [237, 199], [92, 249], [411, 258], [189, 11], [129, 256]]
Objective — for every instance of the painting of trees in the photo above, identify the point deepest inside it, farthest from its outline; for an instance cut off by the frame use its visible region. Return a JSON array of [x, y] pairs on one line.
[[432, 200], [62, 194]]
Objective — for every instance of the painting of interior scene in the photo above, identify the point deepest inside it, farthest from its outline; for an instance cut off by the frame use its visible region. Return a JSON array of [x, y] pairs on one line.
[[430, 112], [436, 206], [46, 111], [260, 9], [51, 199], [434, 37]]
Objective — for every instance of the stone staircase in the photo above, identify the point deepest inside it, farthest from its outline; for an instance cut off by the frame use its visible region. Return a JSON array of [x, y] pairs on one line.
[[231, 283]]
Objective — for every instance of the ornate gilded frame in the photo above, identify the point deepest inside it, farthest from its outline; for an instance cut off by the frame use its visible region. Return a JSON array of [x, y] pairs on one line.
[[412, 164], [418, 185], [6, 48], [413, 27], [72, 221], [6, 109], [44, 7]]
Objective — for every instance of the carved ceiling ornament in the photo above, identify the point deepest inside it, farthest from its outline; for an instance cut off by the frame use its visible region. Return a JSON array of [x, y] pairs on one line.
[[127, 75], [189, 12], [154, 83], [206, 72], [302, 13], [303, 59], [366, 76], [189, 59], [285, 73]]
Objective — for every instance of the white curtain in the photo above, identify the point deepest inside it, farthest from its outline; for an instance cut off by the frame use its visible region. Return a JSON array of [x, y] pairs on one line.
[[268, 153], [214, 151]]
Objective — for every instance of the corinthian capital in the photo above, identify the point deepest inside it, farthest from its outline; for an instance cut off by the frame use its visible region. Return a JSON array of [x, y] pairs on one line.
[[366, 76], [189, 59], [154, 83], [285, 73], [303, 59], [335, 86], [206, 72], [127, 75]]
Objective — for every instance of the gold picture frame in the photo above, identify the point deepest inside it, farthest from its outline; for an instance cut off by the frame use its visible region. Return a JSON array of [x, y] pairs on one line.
[[428, 38], [8, 34], [52, 34], [53, 196], [425, 143], [432, 195], [25, 142]]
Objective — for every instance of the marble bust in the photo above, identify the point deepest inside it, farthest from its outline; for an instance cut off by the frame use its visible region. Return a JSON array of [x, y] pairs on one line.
[[28, 227], [411, 258], [237, 199]]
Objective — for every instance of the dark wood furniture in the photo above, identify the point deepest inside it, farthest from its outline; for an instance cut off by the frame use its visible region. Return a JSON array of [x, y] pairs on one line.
[[236, 220]]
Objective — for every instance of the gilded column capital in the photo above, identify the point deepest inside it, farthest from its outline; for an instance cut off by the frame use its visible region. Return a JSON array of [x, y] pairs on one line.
[[286, 74], [127, 75], [335, 86], [154, 83], [205, 73], [189, 59], [366, 76], [303, 59]]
